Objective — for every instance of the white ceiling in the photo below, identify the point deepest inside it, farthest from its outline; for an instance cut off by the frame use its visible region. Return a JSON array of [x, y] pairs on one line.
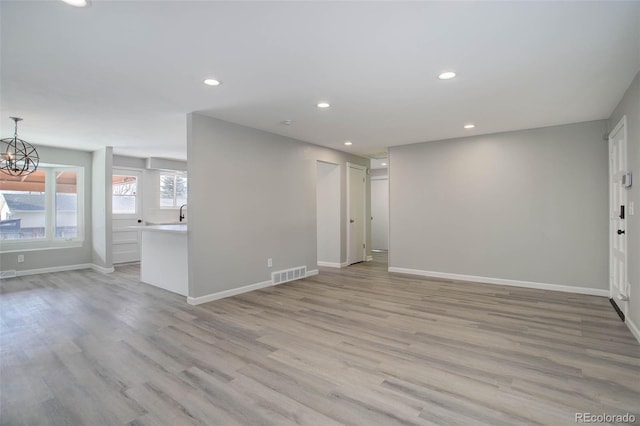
[[126, 74]]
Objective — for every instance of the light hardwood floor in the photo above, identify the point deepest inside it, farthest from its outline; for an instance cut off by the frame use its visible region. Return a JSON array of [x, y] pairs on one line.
[[353, 346]]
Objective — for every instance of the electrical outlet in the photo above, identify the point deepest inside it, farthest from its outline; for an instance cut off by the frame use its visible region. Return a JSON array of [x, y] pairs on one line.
[[269, 262], [20, 258]]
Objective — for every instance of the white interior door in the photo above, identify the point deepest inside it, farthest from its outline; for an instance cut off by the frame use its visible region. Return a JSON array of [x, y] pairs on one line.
[[126, 194], [356, 213], [618, 284]]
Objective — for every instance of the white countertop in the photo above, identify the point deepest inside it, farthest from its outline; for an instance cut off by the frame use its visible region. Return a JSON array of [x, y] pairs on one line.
[[178, 227]]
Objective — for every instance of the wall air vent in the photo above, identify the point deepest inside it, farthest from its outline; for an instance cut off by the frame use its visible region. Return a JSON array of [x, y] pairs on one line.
[[285, 275]]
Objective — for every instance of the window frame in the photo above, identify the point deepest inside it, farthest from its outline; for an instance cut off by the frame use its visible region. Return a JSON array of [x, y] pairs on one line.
[[50, 240], [125, 171], [175, 174]]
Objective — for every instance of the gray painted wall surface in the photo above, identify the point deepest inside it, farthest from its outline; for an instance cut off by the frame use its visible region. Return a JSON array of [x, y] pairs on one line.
[[49, 258], [328, 212], [101, 207], [630, 106], [529, 205], [252, 195]]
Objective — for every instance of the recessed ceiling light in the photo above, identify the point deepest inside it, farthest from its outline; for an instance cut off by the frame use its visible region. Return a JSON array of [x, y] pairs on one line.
[[212, 82], [287, 122], [323, 104], [384, 164], [469, 126], [76, 3], [447, 75], [348, 143]]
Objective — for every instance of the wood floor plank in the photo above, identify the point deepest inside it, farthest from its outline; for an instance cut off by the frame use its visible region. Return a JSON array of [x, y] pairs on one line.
[[351, 346]]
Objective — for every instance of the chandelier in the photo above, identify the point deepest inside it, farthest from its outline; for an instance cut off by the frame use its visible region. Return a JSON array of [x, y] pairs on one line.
[[17, 157]]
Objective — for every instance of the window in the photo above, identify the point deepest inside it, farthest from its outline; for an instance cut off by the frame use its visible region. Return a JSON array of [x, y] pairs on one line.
[[42, 207], [124, 191], [173, 189], [66, 204]]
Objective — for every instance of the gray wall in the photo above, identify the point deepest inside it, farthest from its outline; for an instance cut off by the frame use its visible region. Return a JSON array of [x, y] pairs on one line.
[[630, 106], [252, 196], [37, 259], [101, 207], [328, 212], [529, 205]]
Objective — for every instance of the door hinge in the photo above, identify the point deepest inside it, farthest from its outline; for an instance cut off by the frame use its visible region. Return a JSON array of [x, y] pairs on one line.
[[363, 246]]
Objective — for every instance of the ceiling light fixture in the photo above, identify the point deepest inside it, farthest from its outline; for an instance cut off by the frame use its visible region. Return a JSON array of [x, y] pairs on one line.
[[348, 143], [384, 164], [323, 104], [76, 3], [469, 126], [447, 75], [17, 157], [212, 82]]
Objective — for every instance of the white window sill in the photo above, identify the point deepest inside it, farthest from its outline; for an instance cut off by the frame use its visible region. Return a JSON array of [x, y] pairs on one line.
[[22, 246]]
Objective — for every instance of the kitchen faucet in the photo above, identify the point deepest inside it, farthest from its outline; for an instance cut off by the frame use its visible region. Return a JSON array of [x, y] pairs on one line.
[[182, 214]]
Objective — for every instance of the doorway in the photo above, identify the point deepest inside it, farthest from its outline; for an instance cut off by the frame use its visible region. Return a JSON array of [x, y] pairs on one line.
[[356, 213], [618, 283], [126, 187], [328, 214], [379, 212]]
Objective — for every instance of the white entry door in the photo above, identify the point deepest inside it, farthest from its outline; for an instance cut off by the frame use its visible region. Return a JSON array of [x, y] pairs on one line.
[[618, 213], [356, 182], [126, 186]]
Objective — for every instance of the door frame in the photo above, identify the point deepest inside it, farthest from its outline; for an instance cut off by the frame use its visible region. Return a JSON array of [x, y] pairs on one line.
[[139, 204], [364, 211], [621, 304], [139, 193]]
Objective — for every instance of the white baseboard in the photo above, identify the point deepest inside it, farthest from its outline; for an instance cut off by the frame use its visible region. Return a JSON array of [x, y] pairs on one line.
[[333, 264], [369, 259], [102, 269], [235, 291], [329, 264], [634, 329], [501, 281], [51, 269], [228, 293]]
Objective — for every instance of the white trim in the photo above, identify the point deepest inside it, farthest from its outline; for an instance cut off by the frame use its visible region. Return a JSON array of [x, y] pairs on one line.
[[235, 291], [228, 293], [61, 269], [138, 173], [104, 270], [501, 281], [52, 246], [368, 259], [622, 305], [329, 264], [332, 264], [364, 209], [634, 329]]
